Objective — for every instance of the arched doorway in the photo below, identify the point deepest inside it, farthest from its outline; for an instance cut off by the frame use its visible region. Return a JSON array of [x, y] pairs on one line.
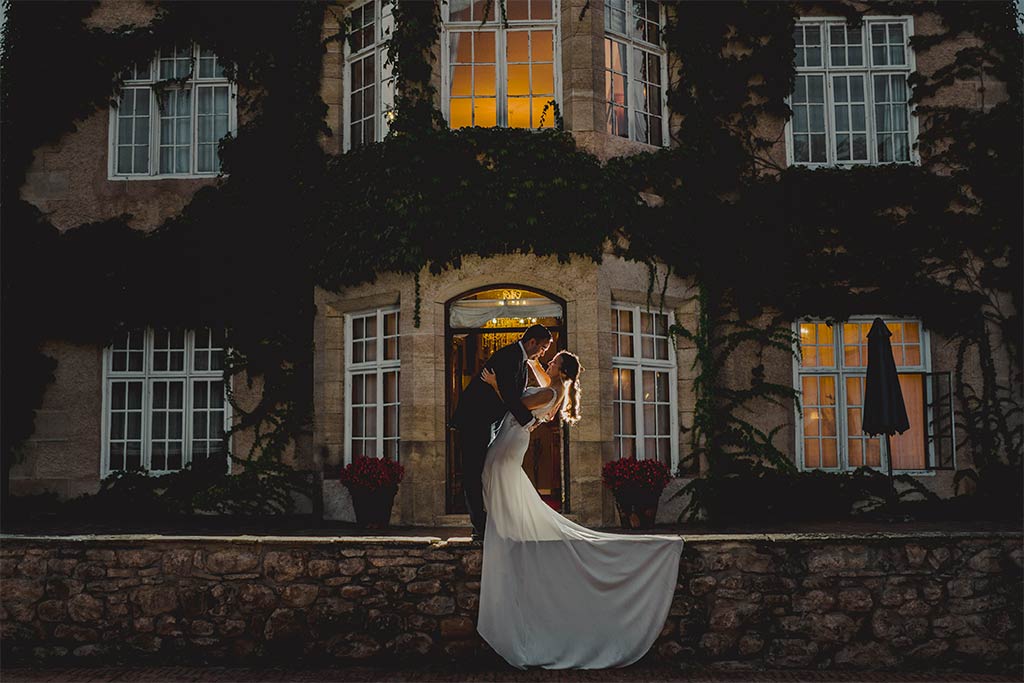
[[478, 323]]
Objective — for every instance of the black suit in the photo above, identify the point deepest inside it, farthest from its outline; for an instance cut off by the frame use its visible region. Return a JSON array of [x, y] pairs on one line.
[[476, 415]]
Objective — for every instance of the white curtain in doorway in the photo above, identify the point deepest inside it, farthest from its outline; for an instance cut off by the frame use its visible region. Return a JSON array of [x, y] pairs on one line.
[[478, 312]]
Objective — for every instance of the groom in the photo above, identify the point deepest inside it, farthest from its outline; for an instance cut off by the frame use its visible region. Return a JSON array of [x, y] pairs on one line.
[[480, 410]]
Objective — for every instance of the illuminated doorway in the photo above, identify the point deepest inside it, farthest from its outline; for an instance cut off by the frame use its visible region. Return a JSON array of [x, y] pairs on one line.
[[477, 324]]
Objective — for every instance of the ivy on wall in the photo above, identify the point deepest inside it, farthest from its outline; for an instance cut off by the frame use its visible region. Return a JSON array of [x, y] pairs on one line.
[[940, 241]]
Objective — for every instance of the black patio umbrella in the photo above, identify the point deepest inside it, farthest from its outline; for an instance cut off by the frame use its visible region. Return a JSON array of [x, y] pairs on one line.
[[884, 410]]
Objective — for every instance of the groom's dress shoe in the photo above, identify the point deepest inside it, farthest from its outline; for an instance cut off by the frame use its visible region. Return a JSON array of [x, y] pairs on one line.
[[477, 536]]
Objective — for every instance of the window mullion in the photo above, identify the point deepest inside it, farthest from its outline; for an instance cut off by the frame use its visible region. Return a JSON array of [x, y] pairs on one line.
[[154, 129], [189, 392], [501, 74], [842, 428], [145, 454], [628, 95], [380, 408], [869, 106], [193, 124]]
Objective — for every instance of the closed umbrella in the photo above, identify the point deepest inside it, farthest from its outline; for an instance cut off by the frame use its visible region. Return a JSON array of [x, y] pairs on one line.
[[884, 410]]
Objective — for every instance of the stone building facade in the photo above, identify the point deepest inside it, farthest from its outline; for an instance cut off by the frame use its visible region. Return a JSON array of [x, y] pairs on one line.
[[385, 385]]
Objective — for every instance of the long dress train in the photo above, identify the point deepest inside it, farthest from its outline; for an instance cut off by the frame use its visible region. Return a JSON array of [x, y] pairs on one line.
[[556, 594]]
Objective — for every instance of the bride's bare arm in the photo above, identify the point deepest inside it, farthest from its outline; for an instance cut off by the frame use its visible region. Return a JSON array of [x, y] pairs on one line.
[[543, 378], [488, 376], [531, 401]]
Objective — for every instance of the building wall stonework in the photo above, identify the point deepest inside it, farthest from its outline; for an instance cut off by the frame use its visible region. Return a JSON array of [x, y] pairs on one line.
[[926, 601]]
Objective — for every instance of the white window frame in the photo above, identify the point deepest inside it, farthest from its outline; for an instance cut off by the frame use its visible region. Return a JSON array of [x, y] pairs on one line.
[[380, 366], [634, 42], [147, 376], [384, 80], [154, 123], [500, 51], [841, 372], [868, 70], [638, 364]]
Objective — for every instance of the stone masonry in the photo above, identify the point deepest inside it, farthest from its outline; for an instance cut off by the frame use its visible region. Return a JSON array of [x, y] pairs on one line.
[[924, 601]]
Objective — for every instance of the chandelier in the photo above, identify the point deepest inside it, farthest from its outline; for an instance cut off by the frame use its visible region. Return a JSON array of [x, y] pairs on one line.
[[492, 341]]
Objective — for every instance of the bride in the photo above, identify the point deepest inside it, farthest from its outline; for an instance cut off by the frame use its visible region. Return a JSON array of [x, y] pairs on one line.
[[553, 593]]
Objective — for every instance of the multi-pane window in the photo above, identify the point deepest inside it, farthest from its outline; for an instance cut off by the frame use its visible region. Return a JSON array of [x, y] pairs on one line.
[[173, 130], [850, 98], [634, 71], [831, 379], [501, 71], [164, 399], [643, 380], [369, 78], [371, 384]]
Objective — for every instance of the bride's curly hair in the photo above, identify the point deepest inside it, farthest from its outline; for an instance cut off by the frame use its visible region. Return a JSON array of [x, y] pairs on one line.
[[572, 369]]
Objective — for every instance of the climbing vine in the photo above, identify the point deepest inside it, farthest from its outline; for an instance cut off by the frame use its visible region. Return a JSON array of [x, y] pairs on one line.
[[766, 244]]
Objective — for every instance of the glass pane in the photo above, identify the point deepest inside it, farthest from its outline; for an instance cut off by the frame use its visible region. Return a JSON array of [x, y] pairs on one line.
[[124, 159], [485, 112], [460, 113], [517, 10], [518, 80], [461, 81], [541, 45], [391, 387], [543, 79], [459, 10], [812, 453], [484, 82], [200, 390], [518, 46], [540, 9]]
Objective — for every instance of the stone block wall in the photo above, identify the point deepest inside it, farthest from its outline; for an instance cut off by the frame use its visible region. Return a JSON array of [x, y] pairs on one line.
[[930, 601]]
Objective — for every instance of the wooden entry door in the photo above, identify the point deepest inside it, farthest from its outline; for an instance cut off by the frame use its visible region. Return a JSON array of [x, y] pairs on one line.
[[545, 462]]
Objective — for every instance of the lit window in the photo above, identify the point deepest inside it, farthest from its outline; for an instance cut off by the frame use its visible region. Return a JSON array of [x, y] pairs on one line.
[[164, 400], [173, 130], [372, 368], [634, 63], [644, 385], [369, 78], [501, 71], [850, 99], [831, 378]]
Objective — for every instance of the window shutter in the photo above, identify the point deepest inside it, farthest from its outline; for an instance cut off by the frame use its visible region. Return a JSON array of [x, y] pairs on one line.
[[938, 395]]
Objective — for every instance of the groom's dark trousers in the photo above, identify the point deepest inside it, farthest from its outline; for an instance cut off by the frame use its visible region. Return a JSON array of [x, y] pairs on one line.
[[479, 411]]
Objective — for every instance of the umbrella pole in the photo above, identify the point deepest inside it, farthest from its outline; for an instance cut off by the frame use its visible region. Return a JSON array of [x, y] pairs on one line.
[[892, 482]]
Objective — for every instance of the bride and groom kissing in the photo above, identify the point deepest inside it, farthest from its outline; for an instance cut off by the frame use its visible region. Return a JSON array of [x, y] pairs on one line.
[[553, 593]]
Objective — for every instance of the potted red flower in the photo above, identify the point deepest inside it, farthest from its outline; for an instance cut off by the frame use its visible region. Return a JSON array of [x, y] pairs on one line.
[[372, 483], [637, 486]]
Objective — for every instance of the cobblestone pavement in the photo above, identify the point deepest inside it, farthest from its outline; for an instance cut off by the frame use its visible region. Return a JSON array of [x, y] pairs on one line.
[[360, 674]]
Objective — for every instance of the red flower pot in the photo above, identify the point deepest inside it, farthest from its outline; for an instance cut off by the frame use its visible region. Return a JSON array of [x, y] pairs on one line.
[[373, 507], [637, 511]]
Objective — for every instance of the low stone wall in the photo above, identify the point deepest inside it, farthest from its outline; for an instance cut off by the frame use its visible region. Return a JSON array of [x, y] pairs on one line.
[[939, 601]]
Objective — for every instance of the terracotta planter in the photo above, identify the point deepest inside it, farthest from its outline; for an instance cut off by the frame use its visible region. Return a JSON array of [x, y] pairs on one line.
[[373, 508], [637, 511]]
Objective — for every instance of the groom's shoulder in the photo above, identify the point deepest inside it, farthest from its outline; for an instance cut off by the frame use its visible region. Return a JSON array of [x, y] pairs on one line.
[[508, 349], [504, 353]]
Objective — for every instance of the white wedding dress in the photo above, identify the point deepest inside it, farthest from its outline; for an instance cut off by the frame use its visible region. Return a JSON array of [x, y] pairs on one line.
[[556, 594]]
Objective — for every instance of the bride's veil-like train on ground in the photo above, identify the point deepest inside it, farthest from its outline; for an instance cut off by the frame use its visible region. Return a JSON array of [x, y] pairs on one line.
[[556, 594]]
